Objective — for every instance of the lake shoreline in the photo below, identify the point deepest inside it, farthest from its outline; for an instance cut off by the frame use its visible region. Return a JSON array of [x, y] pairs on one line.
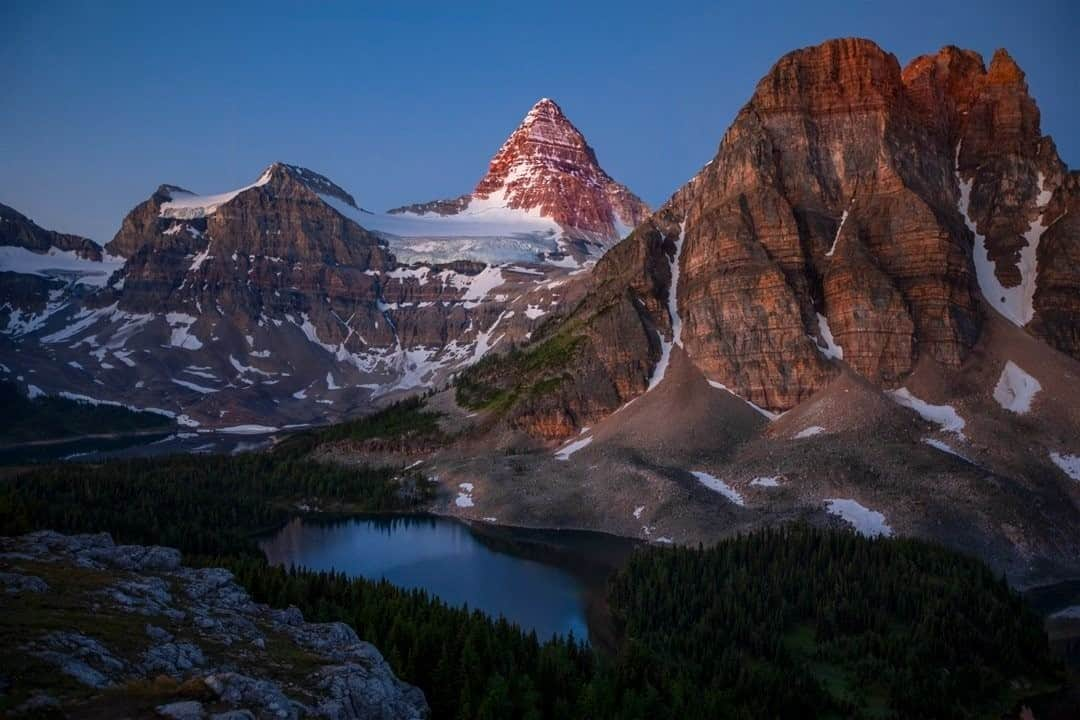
[[528, 576]]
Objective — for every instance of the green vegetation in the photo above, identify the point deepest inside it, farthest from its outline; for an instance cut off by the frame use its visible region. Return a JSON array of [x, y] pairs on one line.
[[498, 381], [48, 418], [200, 504], [407, 420], [804, 622]]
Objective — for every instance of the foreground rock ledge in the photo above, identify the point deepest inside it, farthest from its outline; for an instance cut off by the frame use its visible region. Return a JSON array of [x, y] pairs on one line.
[[125, 630]]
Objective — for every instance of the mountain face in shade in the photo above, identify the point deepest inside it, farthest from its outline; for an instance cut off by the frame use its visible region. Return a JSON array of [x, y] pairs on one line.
[[856, 215], [547, 170], [17, 230], [263, 306], [41, 270]]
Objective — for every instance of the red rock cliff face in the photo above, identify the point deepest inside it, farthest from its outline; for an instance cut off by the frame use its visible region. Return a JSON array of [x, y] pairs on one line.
[[546, 166], [828, 199], [835, 192], [842, 201]]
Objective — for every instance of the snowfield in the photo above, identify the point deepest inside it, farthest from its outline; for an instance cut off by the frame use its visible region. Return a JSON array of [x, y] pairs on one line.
[[184, 205], [60, 264], [485, 232]]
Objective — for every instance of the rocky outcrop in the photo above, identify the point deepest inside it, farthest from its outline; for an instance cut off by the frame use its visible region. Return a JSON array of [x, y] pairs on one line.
[[133, 614], [546, 167]]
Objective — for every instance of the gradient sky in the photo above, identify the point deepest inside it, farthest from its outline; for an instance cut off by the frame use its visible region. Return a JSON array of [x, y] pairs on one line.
[[404, 102]]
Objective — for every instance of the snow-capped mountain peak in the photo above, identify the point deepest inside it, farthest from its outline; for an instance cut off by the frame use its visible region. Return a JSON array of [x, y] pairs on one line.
[[545, 174]]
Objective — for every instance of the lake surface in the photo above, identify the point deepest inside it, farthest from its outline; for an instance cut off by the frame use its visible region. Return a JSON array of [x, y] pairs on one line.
[[547, 581]]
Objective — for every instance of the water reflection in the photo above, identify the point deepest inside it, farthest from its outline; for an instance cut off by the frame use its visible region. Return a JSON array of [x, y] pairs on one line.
[[541, 580]]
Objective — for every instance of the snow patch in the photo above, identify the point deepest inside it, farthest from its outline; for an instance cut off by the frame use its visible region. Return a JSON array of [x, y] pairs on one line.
[[766, 413], [836, 239], [944, 447], [200, 258], [84, 319], [570, 448], [717, 485], [464, 498], [831, 349], [865, 521], [247, 429], [193, 386], [1016, 389], [662, 364], [673, 315], [1015, 303], [767, 481], [479, 285], [943, 415], [1069, 464], [808, 432], [181, 336], [244, 369]]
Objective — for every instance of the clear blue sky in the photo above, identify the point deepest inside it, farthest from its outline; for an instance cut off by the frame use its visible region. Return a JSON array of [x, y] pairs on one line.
[[405, 101]]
